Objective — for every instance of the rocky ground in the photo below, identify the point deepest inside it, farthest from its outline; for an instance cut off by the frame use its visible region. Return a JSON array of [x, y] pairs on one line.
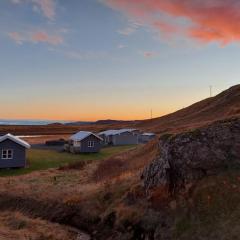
[[185, 158]]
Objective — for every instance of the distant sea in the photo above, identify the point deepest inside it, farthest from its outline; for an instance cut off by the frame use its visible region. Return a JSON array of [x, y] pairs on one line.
[[29, 122]]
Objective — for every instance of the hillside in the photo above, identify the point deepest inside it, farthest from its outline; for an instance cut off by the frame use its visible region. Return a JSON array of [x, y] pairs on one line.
[[222, 106]]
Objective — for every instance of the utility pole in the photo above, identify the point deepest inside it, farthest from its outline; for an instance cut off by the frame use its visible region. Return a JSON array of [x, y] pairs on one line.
[[151, 113], [210, 89]]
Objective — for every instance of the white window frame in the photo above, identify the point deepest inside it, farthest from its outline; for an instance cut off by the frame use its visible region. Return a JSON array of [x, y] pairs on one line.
[[91, 144], [7, 154], [77, 144]]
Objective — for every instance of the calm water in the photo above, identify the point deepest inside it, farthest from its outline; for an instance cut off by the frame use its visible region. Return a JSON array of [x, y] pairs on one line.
[[28, 122]]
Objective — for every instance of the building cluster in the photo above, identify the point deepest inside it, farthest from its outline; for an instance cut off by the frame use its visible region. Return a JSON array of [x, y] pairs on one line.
[[88, 142], [13, 149]]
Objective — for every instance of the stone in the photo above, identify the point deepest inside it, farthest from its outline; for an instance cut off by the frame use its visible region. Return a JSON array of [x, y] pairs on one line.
[[187, 157]]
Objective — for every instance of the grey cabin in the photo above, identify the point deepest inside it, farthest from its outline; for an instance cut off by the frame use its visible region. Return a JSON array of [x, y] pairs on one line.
[[146, 137], [120, 137], [12, 152], [84, 142]]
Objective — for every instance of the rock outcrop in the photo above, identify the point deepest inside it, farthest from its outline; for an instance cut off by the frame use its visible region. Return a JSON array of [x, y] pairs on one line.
[[187, 157]]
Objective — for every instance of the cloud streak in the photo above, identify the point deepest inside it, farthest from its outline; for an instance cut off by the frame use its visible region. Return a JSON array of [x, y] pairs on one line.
[[47, 7], [127, 31], [130, 29], [204, 20], [80, 55], [148, 54], [16, 37], [36, 37]]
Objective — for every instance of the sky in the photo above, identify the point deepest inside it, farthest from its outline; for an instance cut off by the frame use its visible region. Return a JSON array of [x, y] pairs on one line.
[[114, 59]]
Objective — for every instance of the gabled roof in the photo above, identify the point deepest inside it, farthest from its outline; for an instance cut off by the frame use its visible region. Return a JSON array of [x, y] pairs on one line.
[[82, 135], [149, 134], [109, 132], [15, 139], [116, 132]]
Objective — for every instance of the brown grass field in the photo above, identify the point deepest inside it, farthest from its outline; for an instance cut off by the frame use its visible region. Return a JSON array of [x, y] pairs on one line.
[[56, 129], [82, 197]]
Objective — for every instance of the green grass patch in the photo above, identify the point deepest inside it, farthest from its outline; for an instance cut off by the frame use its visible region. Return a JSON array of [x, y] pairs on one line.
[[39, 159]]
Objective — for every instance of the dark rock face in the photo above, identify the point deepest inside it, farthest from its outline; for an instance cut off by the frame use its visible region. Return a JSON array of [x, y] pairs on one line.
[[187, 157]]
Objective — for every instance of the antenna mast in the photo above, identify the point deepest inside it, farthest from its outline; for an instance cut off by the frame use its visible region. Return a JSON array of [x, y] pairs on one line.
[[210, 89]]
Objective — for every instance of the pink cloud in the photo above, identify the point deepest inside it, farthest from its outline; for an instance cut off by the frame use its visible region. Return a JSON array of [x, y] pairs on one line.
[[208, 21], [44, 37], [36, 37], [148, 54], [165, 27]]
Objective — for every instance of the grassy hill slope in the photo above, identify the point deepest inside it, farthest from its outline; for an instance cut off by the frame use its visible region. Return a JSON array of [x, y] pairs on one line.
[[222, 106]]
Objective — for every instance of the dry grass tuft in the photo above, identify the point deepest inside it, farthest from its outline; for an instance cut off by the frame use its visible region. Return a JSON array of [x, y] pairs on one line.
[[128, 163], [74, 166], [159, 197], [14, 225]]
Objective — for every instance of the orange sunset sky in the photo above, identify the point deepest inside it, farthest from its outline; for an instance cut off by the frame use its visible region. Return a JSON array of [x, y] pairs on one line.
[[114, 59]]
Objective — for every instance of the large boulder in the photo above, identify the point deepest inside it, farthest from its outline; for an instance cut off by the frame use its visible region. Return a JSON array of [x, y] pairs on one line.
[[187, 157]]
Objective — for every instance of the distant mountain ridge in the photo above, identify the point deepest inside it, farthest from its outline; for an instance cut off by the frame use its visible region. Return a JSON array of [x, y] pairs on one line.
[[100, 122], [78, 123], [29, 122]]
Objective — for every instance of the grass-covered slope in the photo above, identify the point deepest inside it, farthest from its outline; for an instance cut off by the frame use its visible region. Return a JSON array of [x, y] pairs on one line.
[[222, 106]]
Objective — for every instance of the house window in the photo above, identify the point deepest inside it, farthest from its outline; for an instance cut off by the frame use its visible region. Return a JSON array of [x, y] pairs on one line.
[[7, 154], [91, 144], [77, 144]]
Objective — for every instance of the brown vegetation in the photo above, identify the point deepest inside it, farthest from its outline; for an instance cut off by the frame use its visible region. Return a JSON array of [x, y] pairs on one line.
[[14, 225], [57, 129], [130, 162], [107, 198]]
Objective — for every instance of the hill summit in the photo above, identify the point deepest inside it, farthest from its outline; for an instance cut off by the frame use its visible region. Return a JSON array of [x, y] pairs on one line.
[[222, 106]]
